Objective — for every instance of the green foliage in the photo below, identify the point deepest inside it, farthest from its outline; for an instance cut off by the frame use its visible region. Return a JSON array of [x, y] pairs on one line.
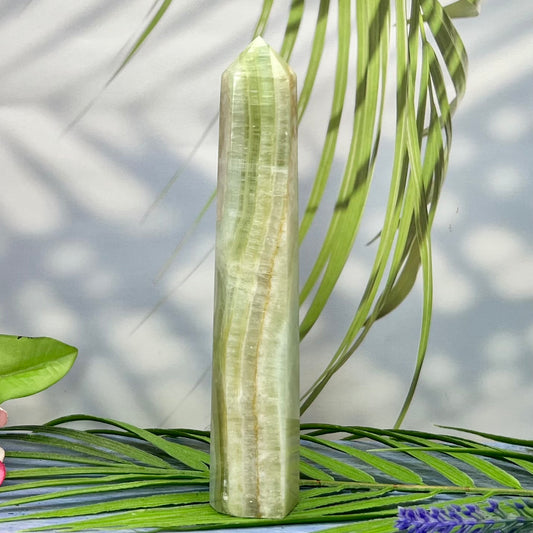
[[119, 476], [32, 364], [463, 8], [429, 58]]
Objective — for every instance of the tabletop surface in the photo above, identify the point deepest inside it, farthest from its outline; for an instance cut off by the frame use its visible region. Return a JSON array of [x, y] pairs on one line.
[[30, 455]]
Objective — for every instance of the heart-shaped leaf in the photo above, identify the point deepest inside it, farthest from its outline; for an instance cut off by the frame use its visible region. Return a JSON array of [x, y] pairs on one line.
[[31, 364]]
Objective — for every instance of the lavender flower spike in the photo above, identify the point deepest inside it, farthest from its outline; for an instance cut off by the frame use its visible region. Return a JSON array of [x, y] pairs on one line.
[[505, 516]]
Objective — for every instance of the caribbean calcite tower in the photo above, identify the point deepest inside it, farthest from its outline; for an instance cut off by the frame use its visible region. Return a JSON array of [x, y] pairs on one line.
[[255, 388]]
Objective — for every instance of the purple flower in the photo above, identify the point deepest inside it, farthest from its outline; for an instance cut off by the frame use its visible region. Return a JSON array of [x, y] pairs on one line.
[[490, 516]]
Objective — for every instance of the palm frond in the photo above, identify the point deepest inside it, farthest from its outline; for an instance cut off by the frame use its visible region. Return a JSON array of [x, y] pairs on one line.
[[428, 54], [118, 476], [463, 8], [423, 136], [154, 16]]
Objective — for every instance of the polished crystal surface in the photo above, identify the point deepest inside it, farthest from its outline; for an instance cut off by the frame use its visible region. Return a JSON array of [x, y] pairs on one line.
[[255, 388]]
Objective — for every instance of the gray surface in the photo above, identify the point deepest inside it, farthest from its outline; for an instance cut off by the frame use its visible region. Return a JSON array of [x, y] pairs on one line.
[[428, 474], [76, 263], [15, 444]]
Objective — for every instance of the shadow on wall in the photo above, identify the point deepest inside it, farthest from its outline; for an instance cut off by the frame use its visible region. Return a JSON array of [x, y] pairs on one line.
[[77, 263]]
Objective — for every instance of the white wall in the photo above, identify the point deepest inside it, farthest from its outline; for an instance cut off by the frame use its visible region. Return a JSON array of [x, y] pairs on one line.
[[76, 262]]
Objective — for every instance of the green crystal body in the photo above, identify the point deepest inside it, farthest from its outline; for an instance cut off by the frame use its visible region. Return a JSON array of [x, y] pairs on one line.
[[255, 386]]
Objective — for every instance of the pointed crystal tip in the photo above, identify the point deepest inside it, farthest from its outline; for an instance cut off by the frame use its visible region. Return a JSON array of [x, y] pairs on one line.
[[261, 59], [259, 41]]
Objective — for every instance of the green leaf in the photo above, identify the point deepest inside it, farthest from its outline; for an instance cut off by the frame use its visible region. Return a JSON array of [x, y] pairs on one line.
[[372, 26], [291, 30], [390, 300], [372, 38], [337, 467], [388, 468], [337, 107], [149, 27], [195, 459], [471, 455], [429, 54], [317, 504], [263, 18], [463, 8], [314, 58], [135, 503], [32, 364], [334, 488], [59, 481], [102, 445], [312, 472], [99, 489]]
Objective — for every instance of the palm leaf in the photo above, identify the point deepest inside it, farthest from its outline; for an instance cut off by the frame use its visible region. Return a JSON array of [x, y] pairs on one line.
[[463, 8], [418, 174], [154, 16], [428, 54], [158, 479]]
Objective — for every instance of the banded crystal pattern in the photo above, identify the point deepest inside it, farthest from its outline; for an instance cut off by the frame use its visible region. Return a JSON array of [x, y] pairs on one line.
[[255, 389]]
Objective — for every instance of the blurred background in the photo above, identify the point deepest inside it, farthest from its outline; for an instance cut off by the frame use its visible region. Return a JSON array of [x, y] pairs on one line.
[[84, 259]]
